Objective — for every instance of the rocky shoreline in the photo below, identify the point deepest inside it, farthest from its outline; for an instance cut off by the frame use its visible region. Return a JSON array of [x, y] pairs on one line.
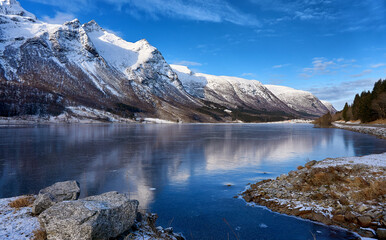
[[57, 213], [347, 192], [378, 131]]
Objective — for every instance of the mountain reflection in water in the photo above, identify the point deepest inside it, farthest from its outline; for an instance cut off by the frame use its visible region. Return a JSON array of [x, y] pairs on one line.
[[156, 163]]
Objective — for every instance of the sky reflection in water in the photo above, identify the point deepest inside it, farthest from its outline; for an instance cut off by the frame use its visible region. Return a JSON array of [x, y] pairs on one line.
[[179, 171]]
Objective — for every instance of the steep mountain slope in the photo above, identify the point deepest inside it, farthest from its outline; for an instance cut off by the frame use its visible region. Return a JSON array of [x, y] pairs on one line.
[[49, 69], [298, 100], [329, 106], [233, 93], [45, 68]]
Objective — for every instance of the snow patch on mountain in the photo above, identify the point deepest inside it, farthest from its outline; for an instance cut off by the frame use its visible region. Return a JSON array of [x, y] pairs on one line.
[[329, 106], [12, 7], [301, 101], [116, 51]]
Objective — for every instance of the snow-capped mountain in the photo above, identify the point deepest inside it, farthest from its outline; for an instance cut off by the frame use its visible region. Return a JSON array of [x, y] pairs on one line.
[[329, 106], [301, 101], [49, 69], [232, 92], [45, 68]]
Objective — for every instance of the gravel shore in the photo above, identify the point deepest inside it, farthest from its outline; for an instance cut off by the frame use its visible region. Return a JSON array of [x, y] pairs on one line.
[[376, 130], [347, 192]]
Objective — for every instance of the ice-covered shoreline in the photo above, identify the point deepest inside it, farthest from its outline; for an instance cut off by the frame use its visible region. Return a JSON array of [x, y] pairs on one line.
[[347, 192], [379, 131]]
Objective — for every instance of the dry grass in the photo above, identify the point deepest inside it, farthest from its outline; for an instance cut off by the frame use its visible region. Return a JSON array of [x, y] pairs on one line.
[[359, 182], [23, 201], [39, 234], [379, 121], [375, 190], [323, 176], [300, 167]]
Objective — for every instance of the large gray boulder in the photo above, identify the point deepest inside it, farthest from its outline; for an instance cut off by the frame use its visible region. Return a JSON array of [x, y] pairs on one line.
[[98, 217], [59, 192]]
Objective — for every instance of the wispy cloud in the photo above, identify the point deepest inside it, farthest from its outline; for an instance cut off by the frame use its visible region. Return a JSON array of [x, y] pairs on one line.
[[187, 63], [363, 73], [59, 18], [248, 75], [323, 66], [298, 9], [378, 65], [201, 10], [370, 15], [342, 92], [69, 6], [281, 65]]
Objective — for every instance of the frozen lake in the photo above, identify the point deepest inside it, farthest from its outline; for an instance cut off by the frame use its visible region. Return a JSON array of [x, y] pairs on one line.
[[180, 172]]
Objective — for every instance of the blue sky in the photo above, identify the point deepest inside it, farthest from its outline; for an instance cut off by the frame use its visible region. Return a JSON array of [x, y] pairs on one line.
[[333, 48]]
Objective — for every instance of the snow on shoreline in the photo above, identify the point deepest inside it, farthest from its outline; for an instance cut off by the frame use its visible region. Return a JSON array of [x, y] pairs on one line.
[[374, 160], [345, 191], [16, 224], [20, 224], [379, 131]]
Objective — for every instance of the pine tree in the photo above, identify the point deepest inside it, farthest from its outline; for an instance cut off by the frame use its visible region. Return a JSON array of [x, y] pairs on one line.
[[344, 113]]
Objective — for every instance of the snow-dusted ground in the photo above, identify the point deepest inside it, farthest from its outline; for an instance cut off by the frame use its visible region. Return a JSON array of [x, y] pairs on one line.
[[379, 131], [19, 224], [295, 121], [16, 224], [157, 120], [375, 160], [329, 191], [72, 115]]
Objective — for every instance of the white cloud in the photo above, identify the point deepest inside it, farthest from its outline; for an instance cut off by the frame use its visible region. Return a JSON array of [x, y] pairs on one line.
[[342, 92], [59, 18], [320, 65], [201, 10], [378, 65], [69, 6], [323, 66], [248, 75], [187, 63], [281, 65], [298, 9], [363, 73]]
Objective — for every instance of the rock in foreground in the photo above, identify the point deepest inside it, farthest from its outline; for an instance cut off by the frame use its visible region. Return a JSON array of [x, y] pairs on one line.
[[110, 215], [97, 217], [348, 192], [58, 192]]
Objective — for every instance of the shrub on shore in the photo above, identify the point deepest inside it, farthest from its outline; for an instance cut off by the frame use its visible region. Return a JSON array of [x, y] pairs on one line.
[[23, 201]]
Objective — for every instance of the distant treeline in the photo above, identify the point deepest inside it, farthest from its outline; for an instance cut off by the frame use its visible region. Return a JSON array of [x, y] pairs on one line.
[[367, 107]]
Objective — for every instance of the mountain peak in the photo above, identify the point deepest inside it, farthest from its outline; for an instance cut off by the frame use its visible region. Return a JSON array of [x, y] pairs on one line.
[[73, 23], [13, 7], [92, 26]]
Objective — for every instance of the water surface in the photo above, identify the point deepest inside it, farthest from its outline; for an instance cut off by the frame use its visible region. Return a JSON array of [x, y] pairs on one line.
[[179, 171]]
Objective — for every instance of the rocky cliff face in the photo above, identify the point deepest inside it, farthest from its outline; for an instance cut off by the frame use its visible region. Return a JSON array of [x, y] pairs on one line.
[[47, 69]]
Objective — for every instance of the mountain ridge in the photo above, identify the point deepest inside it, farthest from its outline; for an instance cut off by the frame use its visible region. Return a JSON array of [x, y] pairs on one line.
[[47, 69]]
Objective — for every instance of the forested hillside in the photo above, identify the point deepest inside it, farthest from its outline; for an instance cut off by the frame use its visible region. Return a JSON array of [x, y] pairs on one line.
[[367, 107]]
